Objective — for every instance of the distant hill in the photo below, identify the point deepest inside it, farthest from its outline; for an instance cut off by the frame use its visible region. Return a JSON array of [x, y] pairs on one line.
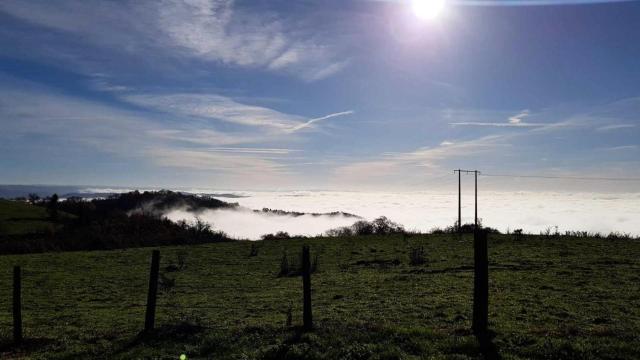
[[298, 213], [15, 191], [156, 202], [19, 217], [120, 221]]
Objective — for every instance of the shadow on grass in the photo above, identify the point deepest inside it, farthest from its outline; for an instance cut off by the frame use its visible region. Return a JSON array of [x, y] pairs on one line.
[[329, 340], [488, 348], [9, 350], [182, 332]]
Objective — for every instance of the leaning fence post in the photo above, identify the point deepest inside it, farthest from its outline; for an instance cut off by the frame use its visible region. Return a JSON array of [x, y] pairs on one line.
[[306, 288], [153, 291], [480, 283], [17, 305]]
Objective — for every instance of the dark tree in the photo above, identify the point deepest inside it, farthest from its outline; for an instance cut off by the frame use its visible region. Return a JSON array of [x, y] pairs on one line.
[[52, 207], [33, 198]]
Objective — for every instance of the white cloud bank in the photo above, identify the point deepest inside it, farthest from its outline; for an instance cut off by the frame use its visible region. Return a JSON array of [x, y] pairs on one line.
[[531, 211], [247, 224]]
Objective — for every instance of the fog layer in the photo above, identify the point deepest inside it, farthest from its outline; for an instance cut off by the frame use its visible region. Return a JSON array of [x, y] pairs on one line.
[[422, 211], [244, 223]]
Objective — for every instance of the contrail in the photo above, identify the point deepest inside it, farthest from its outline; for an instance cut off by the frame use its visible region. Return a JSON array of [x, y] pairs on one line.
[[311, 121]]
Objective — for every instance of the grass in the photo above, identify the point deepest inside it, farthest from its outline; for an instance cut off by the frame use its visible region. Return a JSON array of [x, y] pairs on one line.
[[550, 298], [17, 217]]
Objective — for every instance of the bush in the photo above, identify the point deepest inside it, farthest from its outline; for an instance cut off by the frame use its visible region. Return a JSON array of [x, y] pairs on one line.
[[165, 283], [253, 251], [383, 226], [379, 226], [363, 227], [340, 232], [280, 235], [417, 256], [468, 228]]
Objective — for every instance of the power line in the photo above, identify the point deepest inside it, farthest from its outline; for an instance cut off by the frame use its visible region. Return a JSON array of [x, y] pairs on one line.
[[563, 177]]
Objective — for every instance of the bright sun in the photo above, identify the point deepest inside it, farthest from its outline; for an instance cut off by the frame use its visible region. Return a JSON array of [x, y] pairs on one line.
[[427, 9]]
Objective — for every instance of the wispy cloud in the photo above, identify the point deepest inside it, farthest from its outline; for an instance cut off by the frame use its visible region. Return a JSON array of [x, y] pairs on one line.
[[517, 119], [214, 161], [245, 150], [87, 126], [228, 110], [216, 31], [514, 121], [403, 165], [615, 127], [491, 124], [101, 82], [217, 107], [621, 148]]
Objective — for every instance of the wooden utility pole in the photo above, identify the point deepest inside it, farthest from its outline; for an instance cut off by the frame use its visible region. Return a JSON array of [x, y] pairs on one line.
[[476, 213], [17, 305], [150, 315], [480, 283], [306, 289], [459, 202], [476, 173]]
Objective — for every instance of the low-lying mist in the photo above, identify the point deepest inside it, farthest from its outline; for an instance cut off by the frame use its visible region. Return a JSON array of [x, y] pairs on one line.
[[243, 223], [422, 211]]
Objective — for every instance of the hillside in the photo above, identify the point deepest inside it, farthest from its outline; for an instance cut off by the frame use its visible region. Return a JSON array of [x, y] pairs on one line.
[[18, 217], [550, 298], [119, 221]]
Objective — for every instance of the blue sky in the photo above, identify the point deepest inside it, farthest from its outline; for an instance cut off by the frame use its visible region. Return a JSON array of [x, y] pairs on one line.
[[315, 94]]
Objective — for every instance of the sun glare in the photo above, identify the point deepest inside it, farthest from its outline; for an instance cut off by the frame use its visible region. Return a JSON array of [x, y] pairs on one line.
[[427, 9]]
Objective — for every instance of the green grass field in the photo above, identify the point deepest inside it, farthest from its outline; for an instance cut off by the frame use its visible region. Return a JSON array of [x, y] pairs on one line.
[[550, 298], [17, 217]]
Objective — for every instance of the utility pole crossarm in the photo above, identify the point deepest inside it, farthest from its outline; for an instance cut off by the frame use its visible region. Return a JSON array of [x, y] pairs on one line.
[[467, 171]]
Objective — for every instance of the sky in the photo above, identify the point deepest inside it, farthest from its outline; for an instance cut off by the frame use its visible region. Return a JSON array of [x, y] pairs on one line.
[[332, 94]]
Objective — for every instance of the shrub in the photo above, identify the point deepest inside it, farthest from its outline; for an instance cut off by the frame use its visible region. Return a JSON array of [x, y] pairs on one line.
[[182, 260], [379, 226], [417, 256], [362, 227], [517, 234], [468, 228], [280, 235], [340, 232], [383, 226], [253, 251], [165, 284]]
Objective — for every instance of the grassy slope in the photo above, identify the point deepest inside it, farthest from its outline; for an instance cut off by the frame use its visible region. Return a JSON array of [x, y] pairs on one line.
[[549, 298], [17, 217]]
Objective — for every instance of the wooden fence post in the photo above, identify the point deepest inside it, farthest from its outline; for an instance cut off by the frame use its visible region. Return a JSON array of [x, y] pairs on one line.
[[17, 306], [480, 283], [150, 315], [306, 288]]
